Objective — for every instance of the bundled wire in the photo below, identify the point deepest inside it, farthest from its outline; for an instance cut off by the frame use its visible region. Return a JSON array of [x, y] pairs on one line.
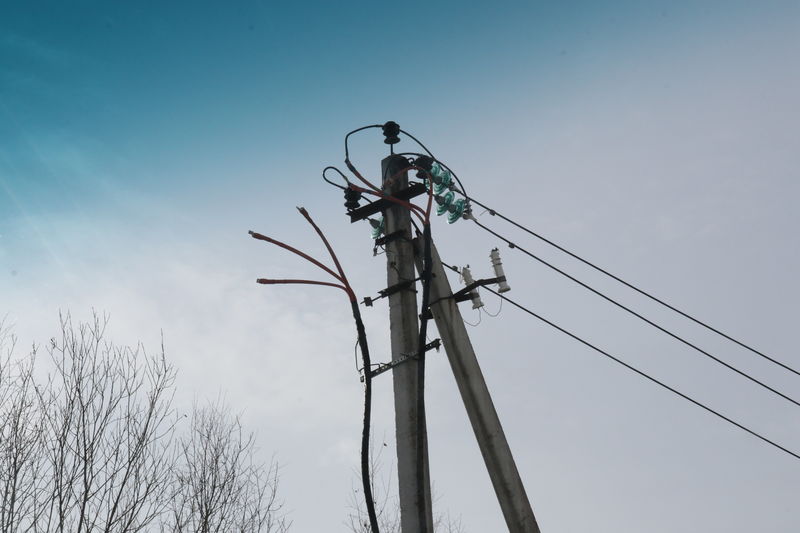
[[343, 284]]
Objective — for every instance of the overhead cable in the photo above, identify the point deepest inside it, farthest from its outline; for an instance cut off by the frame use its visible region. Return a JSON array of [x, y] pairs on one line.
[[647, 376], [634, 287], [639, 316]]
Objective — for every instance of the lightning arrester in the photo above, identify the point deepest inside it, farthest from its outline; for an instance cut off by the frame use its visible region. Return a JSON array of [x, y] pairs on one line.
[[473, 294], [497, 264]]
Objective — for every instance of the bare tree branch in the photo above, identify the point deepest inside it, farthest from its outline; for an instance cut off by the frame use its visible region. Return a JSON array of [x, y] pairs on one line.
[[218, 485]]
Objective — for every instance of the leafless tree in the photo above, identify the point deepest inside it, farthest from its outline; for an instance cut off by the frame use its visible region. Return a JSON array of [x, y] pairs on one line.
[[387, 508], [96, 446], [21, 440], [108, 429], [219, 486], [387, 505]]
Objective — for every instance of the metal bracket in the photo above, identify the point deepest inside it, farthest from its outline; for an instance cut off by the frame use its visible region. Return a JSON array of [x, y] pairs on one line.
[[463, 294], [413, 190], [393, 236], [384, 367], [397, 287]]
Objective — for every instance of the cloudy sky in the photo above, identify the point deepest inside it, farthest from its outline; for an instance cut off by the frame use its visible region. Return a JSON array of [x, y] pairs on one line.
[[139, 143]]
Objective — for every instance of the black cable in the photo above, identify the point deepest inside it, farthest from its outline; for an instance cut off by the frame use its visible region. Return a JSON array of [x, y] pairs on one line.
[[645, 375], [639, 316], [425, 279], [365, 477], [324, 170], [635, 288], [347, 161], [346, 137]]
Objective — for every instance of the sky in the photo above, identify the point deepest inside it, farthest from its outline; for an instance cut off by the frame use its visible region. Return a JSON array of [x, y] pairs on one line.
[[139, 143]]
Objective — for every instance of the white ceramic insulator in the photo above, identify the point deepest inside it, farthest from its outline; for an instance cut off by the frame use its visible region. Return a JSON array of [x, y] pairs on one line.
[[497, 264], [473, 294]]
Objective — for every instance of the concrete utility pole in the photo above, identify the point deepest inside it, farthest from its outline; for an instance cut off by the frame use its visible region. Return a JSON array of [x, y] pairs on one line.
[[404, 332], [477, 400]]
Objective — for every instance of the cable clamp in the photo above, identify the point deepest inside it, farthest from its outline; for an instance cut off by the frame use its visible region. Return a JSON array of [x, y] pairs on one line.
[[393, 236], [384, 367]]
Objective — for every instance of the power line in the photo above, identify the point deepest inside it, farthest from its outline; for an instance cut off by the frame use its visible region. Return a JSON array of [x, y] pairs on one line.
[[645, 375], [634, 287], [639, 316]]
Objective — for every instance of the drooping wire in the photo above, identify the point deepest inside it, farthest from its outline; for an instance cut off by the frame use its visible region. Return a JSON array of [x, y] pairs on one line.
[[495, 315], [343, 187], [634, 287], [475, 325], [362, 342], [638, 315], [645, 375]]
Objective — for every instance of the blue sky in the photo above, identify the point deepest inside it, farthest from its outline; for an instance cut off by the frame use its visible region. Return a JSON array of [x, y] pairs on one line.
[[139, 143]]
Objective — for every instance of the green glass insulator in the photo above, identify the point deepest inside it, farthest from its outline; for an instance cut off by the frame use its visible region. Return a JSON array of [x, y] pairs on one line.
[[437, 170], [444, 202], [443, 185], [377, 229], [457, 210]]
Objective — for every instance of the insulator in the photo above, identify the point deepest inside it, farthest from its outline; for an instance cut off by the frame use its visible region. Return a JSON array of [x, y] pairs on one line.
[[441, 177], [351, 197], [437, 171], [497, 264], [456, 210], [377, 227], [467, 211], [473, 294], [391, 130], [423, 162], [444, 202]]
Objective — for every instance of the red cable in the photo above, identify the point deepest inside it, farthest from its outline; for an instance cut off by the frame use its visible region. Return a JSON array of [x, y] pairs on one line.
[[342, 278], [265, 281], [360, 177], [295, 251]]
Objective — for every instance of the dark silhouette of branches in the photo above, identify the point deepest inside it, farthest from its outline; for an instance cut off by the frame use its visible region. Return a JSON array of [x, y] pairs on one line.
[[218, 485], [108, 425], [21, 442], [95, 446], [387, 505]]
